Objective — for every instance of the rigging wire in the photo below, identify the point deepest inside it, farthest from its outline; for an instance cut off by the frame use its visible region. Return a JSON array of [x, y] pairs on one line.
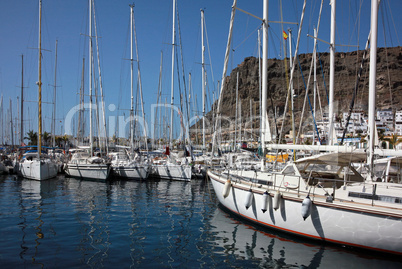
[[308, 83], [386, 58], [246, 38], [393, 22], [124, 76], [184, 80], [323, 75], [356, 89], [209, 52], [101, 92], [293, 67]]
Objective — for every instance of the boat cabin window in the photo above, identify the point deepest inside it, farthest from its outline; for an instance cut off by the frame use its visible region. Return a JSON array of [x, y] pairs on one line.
[[318, 167], [290, 170], [370, 196]]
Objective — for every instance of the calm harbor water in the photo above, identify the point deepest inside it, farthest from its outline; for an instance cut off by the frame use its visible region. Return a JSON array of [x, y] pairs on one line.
[[70, 223]]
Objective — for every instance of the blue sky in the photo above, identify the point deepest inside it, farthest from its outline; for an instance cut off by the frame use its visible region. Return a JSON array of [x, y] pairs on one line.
[[66, 21]]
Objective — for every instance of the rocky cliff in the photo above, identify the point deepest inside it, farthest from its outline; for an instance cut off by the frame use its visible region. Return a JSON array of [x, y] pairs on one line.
[[389, 84]]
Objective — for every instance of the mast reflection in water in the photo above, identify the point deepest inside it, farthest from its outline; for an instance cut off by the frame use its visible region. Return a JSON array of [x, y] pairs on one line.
[[65, 222]]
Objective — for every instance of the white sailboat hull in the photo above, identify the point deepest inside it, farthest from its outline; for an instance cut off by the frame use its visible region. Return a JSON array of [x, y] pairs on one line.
[[131, 171], [172, 171], [352, 225], [38, 169], [88, 171]]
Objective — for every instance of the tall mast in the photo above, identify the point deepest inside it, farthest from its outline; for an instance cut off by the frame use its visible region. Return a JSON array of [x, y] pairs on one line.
[[191, 95], [54, 102], [101, 96], [90, 78], [292, 93], [264, 79], [40, 82], [225, 67], [203, 79], [372, 81], [11, 123], [315, 77], [332, 73], [251, 117], [172, 82], [132, 80], [22, 101], [157, 101], [239, 116], [140, 84], [237, 112], [80, 132]]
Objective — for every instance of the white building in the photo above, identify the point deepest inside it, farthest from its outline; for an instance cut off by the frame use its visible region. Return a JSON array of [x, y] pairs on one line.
[[398, 122], [357, 123], [385, 121]]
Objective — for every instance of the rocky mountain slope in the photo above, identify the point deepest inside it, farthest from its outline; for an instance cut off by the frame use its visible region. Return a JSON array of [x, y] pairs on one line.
[[389, 85]]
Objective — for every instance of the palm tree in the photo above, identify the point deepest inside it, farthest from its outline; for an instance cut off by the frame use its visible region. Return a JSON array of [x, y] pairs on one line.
[[381, 138], [58, 140], [114, 139], [65, 140], [32, 137], [46, 137], [394, 140]]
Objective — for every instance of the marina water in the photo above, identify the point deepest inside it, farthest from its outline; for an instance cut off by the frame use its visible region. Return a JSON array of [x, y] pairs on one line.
[[70, 223]]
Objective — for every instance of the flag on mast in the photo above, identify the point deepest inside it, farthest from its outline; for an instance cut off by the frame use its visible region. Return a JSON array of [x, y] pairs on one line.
[[285, 36]]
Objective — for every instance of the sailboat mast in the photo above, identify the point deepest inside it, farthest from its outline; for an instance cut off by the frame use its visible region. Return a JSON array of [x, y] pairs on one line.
[[90, 78], [158, 119], [251, 118], [203, 79], [239, 116], [225, 67], [315, 77], [22, 101], [372, 82], [54, 102], [237, 113], [140, 83], [292, 92], [40, 82], [172, 82], [132, 80], [264, 80], [332, 74], [80, 132], [102, 98], [11, 123]]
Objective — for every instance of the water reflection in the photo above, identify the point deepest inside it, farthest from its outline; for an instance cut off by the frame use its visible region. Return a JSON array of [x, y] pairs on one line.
[[91, 201], [71, 223], [270, 249], [33, 194]]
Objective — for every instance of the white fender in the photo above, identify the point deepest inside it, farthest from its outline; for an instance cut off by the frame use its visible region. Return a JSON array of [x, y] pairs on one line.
[[306, 207], [265, 197], [226, 188], [249, 199], [276, 201]]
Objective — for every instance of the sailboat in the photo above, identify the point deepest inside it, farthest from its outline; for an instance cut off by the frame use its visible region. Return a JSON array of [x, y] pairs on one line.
[[82, 163], [38, 166], [172, 167], [322, 197], [125, 165]]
